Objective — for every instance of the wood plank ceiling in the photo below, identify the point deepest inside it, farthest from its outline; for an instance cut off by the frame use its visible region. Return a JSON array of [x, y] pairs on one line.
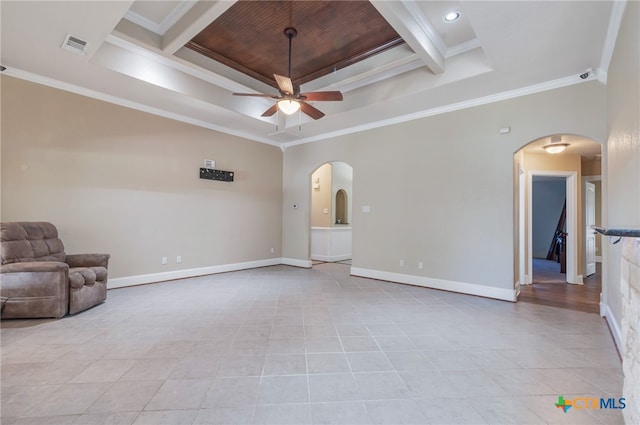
[[249, 37]]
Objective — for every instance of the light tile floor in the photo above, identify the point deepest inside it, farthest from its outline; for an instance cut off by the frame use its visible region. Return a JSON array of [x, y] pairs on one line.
[[283, 345]]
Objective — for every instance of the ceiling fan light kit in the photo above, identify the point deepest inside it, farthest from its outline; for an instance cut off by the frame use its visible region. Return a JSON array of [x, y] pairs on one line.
[[288, 106], [290, 100]]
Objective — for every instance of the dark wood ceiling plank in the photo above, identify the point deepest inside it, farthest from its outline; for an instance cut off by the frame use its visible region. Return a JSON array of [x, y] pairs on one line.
[[249, 37]]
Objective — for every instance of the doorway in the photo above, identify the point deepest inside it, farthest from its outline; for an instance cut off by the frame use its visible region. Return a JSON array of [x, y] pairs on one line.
[[570, 242], [548, 229], [331, 213], [575, 289], [592, 212]]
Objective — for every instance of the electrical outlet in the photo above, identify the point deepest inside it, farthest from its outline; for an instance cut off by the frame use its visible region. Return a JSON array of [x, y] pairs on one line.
[[401, 263], [164, 260], [179, 259], [420, 265], [273, 250]]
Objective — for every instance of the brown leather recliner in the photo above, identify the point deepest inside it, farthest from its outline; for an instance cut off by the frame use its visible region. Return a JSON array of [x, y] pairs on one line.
[[37, 278]]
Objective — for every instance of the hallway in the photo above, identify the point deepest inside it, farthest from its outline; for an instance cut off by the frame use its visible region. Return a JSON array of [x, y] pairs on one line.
[[550, 288]]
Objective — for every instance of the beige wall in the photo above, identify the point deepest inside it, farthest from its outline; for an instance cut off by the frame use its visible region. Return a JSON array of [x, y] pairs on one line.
[[125, 182], [622, 188], [321, 197], [447, 198], [622, 204], [591, 167]]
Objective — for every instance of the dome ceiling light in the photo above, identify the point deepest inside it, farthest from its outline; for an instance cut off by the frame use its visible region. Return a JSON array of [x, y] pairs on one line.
[[555, 146]]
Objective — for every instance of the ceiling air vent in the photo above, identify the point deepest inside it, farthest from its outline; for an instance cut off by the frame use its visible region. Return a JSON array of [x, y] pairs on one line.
[[74, 44], [284, 136]]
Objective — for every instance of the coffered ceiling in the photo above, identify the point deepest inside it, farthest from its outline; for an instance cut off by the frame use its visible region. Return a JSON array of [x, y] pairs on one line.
[[392, 60]]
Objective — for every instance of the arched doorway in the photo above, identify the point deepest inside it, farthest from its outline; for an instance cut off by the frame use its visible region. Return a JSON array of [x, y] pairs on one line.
[[330, 219], [552, 237]]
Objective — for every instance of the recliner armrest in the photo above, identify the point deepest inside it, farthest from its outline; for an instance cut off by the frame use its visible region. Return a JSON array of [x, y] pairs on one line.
[[34, 266], [88, 260], [34, 289]]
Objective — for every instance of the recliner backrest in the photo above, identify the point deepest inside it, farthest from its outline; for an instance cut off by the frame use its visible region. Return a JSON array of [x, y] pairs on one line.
[[30, 241]]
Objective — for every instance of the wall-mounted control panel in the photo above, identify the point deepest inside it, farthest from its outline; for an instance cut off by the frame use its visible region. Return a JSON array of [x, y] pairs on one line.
[[223, 176]]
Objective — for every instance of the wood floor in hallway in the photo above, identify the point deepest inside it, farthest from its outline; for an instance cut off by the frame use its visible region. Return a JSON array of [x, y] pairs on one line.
[[550, 288]]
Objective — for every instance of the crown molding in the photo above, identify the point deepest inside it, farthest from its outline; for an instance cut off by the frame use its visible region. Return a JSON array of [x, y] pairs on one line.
[[485, 100], [50, 82], [615, 20]]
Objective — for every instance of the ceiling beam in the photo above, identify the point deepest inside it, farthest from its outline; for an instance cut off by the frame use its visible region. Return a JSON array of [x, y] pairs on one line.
[[414, 30], [194, 21]]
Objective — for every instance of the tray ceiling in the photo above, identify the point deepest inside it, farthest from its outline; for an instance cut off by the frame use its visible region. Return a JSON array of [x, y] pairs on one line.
[[249, 37], [422, 66]]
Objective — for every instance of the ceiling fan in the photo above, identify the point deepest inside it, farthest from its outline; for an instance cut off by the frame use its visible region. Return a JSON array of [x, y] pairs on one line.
[[290, 99]]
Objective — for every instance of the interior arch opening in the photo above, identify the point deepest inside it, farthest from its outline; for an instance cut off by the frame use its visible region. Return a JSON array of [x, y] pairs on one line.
[[330, 221], [558, 197]]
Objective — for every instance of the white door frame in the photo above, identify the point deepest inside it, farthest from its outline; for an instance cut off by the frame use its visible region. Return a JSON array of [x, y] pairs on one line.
[[588, 234], [522, 280], [590, 179], [571, 178]]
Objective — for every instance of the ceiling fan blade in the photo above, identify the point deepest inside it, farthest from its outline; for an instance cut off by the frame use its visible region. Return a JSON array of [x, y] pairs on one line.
[[255, 94], [322, 95], [285, 84], [269, 112], [314, 113]]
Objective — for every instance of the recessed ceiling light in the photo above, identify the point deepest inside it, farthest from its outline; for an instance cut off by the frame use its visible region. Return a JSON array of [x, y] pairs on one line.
[[452, 16]]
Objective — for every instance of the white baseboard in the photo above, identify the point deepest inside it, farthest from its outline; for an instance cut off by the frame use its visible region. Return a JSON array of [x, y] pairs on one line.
[[606, 312], [121, 282], [578, 280], [296, 263], [331, 258], [447, 285]]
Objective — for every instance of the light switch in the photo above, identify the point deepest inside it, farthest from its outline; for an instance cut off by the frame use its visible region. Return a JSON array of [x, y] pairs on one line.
[[366, 209]]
